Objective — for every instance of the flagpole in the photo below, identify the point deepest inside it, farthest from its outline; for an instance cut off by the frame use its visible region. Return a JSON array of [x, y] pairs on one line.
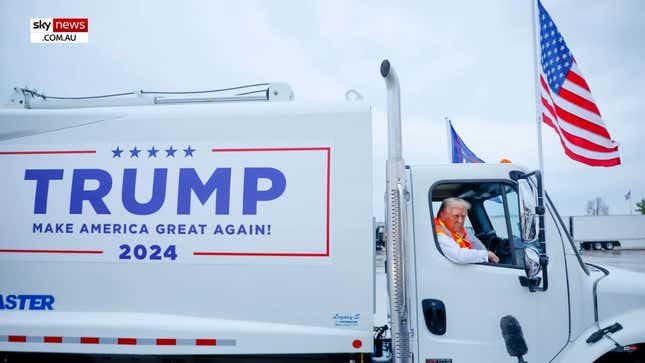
[[449, 139], [536, 74]]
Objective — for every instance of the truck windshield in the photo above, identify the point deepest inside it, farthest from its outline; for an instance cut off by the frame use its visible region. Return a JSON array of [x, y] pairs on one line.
[[554, 212]]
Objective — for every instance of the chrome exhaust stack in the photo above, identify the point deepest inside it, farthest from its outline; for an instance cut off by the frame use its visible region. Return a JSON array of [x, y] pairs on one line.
[[397, 196]]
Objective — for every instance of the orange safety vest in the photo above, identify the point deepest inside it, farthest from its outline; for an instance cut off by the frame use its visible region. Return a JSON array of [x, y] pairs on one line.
[[458, 237]]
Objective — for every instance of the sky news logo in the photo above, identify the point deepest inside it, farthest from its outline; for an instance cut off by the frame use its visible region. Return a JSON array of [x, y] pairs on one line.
[[59, 30]]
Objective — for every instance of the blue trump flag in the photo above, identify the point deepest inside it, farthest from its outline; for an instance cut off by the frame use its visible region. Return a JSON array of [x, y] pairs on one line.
[[460, 152]]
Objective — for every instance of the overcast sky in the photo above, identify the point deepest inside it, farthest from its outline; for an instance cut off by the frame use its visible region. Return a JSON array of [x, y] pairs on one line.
[[469, 60]]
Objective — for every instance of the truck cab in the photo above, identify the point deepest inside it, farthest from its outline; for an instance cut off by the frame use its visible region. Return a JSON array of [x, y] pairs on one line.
[[457, 307]]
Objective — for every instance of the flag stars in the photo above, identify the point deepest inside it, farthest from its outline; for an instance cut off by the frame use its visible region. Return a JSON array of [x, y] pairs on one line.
[[152, 153], [117, 153], [134, 153], [189, 152]]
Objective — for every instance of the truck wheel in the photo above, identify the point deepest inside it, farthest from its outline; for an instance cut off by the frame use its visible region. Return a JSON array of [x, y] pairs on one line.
[[609, 246], [586, 246], [597, 246]]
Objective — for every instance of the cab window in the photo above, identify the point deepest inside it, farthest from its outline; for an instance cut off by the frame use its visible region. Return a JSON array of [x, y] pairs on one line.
[[493, 217]]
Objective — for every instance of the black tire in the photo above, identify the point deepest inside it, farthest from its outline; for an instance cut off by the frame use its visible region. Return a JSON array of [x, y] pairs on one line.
[[609, 246], [597, 246]]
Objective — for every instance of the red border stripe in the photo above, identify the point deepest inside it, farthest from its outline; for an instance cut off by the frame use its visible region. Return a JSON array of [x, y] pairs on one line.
[[74, 152], [271, 149], [166, 341], [328, 194], [260, 254], [126, 341], [205, 341], [109, 341], [89, 340], [54, 251]]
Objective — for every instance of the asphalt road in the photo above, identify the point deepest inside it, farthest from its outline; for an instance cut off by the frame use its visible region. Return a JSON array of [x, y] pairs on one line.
[[627, 259]]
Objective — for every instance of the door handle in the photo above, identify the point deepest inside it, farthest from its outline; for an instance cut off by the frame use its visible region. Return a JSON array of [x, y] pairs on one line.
[[434, 313]]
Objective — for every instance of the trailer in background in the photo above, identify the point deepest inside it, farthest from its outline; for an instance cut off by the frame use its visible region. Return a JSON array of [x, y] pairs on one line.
[[608, 232]]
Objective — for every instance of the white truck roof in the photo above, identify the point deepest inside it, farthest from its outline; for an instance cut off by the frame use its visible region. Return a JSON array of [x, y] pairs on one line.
[[187, 229]]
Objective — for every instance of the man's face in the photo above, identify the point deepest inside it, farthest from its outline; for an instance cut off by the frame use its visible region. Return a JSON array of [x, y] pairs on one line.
[[453, 218]]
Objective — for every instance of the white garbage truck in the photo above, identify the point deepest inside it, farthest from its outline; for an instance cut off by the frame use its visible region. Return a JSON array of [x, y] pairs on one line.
[[157, 227], [608, 231]]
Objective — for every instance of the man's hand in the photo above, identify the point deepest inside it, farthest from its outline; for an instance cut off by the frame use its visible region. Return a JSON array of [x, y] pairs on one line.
[[492, 258]]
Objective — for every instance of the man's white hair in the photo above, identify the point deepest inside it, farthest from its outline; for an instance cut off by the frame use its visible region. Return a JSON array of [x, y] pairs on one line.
[[454, 202]]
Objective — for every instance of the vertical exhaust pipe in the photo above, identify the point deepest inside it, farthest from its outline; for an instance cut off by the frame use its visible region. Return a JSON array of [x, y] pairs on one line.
[[396, 221]]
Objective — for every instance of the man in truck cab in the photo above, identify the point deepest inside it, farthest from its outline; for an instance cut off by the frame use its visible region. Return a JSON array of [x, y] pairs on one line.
[[456, 244]]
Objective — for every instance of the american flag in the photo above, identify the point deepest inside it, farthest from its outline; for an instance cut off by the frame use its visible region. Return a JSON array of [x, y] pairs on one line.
[[567, 104]]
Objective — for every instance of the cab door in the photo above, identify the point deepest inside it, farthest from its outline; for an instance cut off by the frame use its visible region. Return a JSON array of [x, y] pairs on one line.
[[459, 306]]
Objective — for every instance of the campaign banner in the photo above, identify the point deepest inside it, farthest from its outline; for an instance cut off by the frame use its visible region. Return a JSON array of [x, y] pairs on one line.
[[162, 203]]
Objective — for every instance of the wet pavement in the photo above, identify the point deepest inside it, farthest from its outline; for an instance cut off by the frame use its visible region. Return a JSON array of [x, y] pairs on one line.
[[627, 259]]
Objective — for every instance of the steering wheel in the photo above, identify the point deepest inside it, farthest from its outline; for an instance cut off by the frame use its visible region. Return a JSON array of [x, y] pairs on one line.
[[499, 246]]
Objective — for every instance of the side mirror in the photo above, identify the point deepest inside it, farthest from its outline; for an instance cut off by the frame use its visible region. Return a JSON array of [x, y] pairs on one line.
[[528, 217], [532, 265], [534, 262]]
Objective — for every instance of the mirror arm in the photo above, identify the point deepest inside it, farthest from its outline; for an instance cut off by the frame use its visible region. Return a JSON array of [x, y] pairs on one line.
[[544, 262], [540, 211], [531, 283]]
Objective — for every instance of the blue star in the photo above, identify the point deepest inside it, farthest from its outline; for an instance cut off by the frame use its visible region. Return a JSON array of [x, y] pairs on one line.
[[152, 152], [117, 153], [189, 152], [134, 153], [170, 152]]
